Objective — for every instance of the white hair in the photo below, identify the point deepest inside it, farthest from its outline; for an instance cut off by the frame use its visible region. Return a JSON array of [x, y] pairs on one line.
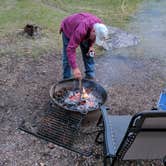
[[101, 33]]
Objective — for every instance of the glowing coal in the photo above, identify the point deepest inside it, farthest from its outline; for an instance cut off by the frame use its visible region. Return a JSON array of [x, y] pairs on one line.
[[79, 101]]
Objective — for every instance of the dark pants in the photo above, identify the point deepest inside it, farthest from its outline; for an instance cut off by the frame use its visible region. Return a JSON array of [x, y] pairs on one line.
[[88, 61]]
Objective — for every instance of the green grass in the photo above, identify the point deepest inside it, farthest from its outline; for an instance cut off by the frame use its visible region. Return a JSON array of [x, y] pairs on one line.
[[15, 14]]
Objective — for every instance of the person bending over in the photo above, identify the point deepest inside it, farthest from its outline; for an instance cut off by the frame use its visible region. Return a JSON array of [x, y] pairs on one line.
[[81, 29]]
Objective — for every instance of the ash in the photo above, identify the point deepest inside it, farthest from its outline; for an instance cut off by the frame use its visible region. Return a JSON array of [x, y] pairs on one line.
[[79, 102]]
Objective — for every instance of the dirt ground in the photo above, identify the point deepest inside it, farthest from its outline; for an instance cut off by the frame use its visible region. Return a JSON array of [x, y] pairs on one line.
[[24, 90]]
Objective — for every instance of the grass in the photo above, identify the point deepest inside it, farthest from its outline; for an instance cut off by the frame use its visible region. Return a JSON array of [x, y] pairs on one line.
[[15, 14]]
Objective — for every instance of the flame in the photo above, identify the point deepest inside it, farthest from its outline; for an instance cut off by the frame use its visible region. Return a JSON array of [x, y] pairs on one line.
[[84, 94]]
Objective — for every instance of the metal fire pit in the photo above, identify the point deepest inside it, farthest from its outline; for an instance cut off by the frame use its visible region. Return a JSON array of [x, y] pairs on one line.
[[92, 115]]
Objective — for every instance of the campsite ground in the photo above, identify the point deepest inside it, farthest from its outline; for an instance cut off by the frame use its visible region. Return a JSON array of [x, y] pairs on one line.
[[29, 66]]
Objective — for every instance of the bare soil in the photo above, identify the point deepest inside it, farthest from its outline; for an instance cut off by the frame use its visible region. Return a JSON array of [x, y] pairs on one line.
[[24, 90]]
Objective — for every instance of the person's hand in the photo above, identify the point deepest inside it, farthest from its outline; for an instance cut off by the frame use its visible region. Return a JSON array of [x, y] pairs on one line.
[[91, 49], [77, 73]]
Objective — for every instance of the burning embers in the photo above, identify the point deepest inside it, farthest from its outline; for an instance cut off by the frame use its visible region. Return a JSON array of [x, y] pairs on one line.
[[82, 101]]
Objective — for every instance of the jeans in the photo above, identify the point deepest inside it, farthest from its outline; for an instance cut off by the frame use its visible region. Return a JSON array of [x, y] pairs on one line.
[[88, 61]]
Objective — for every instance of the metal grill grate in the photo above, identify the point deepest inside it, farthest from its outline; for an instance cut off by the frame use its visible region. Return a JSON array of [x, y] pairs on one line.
[[59, 127]]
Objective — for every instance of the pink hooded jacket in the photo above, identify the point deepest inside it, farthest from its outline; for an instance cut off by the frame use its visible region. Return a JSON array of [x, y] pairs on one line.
[[77, 28]]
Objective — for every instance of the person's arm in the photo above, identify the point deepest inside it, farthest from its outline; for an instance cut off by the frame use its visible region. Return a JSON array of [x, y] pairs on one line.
[[76, 38]]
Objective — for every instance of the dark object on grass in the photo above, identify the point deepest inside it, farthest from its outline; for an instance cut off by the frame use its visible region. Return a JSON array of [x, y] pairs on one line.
[[31, 30]]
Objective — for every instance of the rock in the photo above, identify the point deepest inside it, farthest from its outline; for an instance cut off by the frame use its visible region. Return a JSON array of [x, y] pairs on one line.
[[51, 146], [119, 38], [42, 164]]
